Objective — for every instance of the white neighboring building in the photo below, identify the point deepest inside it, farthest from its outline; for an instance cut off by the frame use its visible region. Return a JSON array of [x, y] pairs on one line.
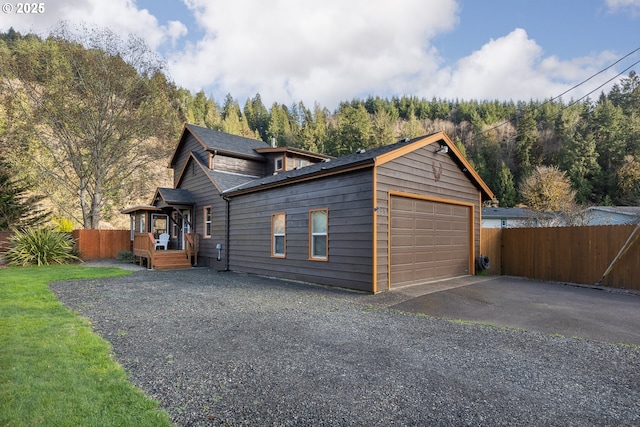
[[508, 218], [612, 215], [594, 215]]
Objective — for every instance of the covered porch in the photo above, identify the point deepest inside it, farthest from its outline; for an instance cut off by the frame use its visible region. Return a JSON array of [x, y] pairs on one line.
[[162, 234]]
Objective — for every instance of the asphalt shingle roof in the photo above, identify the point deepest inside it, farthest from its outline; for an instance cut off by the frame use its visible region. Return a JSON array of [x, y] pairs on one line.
[[215, 140], [364, 157], [176, 196]]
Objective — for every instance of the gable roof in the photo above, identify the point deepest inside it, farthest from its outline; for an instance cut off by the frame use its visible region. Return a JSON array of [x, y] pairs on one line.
[[174, 196], [604, 215], [361, 159], [223, 181], [220, 142]]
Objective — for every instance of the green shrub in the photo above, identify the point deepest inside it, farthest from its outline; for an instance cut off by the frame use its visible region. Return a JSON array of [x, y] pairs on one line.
[[124, 256], [64, 225], [42, 246]]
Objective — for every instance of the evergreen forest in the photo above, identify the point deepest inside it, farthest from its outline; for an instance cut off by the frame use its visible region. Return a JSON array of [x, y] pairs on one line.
[[67, 103]]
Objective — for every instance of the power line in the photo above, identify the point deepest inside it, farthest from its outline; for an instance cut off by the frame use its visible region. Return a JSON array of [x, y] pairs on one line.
[[603, 84], [598, 73], [580, 84]]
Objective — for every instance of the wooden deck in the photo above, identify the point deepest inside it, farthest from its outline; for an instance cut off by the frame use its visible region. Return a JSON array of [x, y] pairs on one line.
[[160, 259]]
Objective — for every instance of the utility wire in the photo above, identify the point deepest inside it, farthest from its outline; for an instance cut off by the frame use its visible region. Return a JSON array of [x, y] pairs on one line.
[[598, 73], [603, 84], [578, 85]]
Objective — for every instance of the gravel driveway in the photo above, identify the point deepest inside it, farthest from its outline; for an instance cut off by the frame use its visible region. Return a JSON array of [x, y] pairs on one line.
[[230, 349]]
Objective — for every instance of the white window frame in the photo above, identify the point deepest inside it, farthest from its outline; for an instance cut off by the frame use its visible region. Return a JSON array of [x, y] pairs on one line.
[[275, 235], [143, 223], [279, 160], [207, 211], [313, 234]]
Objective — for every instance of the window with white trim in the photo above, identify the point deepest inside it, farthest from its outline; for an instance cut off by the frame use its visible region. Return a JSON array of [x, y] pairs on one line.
[[278, 235], [207, 222], [279, 165], [318, 234]]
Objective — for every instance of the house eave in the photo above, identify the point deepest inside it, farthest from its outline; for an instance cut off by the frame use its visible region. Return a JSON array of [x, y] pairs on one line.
[[458, 157], [294, 150], [138, 208], [258, 157]]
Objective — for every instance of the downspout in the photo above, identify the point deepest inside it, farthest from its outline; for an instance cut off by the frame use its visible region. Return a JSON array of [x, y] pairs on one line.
[[227, 238]]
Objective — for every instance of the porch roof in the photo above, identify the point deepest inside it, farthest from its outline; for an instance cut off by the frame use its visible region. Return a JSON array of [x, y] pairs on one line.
[[174, 196], [138, 208]]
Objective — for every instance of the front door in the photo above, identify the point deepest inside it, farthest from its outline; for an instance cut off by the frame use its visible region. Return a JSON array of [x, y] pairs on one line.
[[186, 226]]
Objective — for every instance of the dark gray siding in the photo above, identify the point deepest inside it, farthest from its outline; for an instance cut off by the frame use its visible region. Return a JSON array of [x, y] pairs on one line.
[[190, 144], [205, 194], [425, 173], [348, 198], [235, 165]]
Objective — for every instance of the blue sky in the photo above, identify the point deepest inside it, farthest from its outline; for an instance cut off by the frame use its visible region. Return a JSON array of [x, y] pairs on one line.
[[336, 50]]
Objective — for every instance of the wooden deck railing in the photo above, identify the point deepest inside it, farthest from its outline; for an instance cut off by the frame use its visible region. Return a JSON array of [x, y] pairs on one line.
[[143, 247], [191, 240]]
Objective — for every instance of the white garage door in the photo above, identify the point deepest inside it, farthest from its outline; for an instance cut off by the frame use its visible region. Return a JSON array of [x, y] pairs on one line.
[[429, 241]]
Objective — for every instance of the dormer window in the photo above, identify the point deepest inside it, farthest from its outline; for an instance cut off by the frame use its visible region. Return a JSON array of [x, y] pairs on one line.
[[279, 164], [300, 163]]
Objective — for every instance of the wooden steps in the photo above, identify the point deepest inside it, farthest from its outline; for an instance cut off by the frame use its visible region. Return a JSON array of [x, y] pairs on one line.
[[170, 260]]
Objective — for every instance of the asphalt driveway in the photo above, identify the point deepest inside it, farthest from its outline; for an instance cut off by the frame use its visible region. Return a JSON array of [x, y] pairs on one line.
[[595, 313]]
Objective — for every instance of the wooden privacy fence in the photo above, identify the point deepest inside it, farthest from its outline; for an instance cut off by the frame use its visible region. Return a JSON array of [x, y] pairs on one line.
[[101, 244], [565, 254], [491, 246]]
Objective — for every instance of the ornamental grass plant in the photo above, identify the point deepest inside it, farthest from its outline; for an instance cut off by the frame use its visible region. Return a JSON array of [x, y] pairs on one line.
[[40, 246]]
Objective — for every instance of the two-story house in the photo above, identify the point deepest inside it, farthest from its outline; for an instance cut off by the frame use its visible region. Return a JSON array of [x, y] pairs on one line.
[[397, 215]]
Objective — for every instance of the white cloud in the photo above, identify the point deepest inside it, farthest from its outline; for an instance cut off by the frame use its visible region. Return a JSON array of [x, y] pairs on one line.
[[621, 5], [327, 51], [121, 16], [513, 68], [332, 51]]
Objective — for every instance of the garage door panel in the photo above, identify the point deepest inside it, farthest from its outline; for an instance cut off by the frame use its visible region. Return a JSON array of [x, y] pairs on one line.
[[424, 240], [403, 241], [424, 223], [401, 204], [460, 211], [461, 226], [402, 222], [424, 257], [443, 241], [424, 208], [429, 240], [443, 208], [460, 241], [443, 225]]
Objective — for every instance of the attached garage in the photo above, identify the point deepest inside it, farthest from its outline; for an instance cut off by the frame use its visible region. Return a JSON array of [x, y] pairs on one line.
[[427, 213], [429, 240]]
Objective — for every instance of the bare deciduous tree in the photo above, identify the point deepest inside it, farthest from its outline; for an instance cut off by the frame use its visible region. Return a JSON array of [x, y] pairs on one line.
[[95, 111]]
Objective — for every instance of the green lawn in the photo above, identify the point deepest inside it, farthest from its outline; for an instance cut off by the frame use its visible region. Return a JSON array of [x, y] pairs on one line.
[[54, 371]]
